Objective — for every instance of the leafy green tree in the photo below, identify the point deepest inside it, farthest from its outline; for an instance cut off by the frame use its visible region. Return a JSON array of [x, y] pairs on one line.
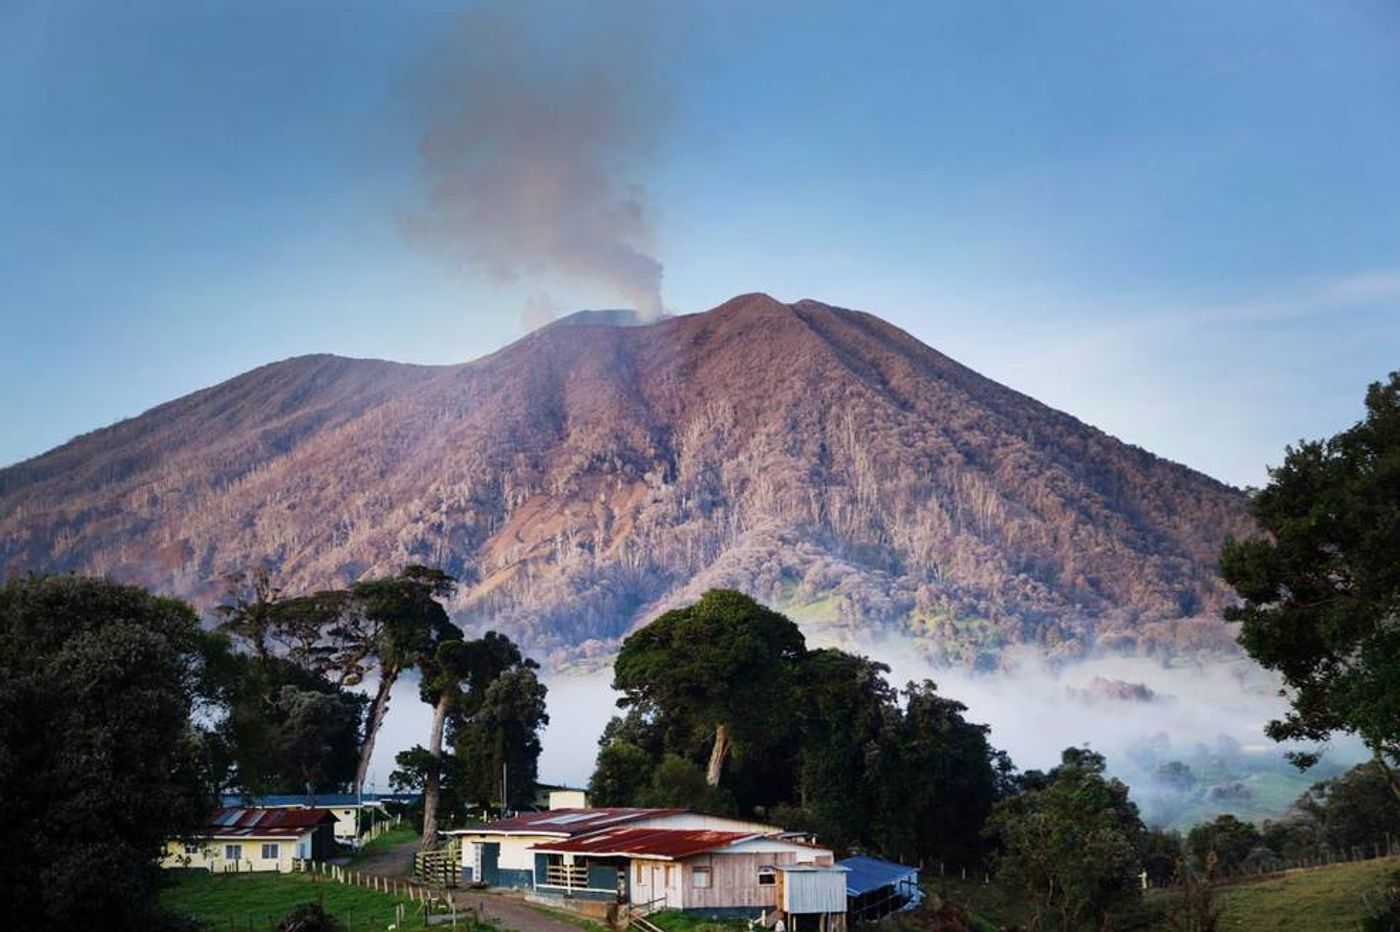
[[1230, 839], [846, 708], [500, 742], [280, 728], [456, 679], [1321, 587], [948, 776], [679, 783], [723, 665], [1355, 809], [1071, 846], [318, 633], [622, 773], [99, 764], [396, 620], [1161, 852], [249, 608]]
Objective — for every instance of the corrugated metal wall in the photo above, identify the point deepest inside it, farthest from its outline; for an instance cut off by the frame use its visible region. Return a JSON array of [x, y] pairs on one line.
[[814, 891]]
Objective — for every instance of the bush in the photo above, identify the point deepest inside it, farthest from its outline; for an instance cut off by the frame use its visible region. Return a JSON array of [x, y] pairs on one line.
[[308, 917], [1386, 917]]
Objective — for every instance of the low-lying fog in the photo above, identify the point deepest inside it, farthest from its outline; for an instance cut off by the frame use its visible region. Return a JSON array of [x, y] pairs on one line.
[[1188, 739]]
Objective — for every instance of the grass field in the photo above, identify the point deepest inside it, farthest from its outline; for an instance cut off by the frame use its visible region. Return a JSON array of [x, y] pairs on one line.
[[256, 902], [673, 920], [1326, 899], [393, 838]]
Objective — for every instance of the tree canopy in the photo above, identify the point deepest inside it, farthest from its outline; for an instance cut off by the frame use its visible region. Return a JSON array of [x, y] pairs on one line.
[[99, 763], [1071, 844], [489, 702], [1321, 587], [821, 740], [723, 662]]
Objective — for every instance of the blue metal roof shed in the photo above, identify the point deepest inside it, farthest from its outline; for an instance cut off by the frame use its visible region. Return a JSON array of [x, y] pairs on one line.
[[867, 874], [876, 888]]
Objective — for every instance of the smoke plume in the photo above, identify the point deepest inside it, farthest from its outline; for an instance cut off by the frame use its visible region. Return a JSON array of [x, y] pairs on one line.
[[528, 164]]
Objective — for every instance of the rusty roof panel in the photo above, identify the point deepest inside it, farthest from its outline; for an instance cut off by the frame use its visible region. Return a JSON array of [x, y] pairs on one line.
[[667, 844], [228, 822], [565, 823]]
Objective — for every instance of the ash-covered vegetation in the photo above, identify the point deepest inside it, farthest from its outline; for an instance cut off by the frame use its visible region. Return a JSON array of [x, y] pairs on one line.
[[587, 477]]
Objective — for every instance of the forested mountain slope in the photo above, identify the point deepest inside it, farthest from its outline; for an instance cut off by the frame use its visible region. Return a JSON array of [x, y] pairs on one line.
[[589, 474]]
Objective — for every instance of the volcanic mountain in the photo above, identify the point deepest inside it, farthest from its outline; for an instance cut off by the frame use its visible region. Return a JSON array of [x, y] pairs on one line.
[[590, 474]]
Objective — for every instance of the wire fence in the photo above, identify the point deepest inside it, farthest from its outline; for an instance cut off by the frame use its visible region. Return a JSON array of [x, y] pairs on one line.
[[351, 920], [1263, 863]]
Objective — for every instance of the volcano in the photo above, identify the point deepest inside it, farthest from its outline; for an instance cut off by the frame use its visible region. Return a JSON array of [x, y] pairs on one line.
[[600, 470]]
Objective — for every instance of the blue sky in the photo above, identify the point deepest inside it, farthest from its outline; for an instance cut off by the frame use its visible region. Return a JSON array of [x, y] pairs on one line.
[[1179, 222]]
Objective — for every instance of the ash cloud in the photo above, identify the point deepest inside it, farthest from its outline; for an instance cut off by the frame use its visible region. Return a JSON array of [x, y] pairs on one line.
[[530, 162]]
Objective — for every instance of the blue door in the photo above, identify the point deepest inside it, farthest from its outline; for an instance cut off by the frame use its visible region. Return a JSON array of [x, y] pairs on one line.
[[490, 855]]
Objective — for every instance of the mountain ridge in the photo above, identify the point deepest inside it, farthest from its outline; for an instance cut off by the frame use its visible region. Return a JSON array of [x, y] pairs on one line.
[[584, 477]]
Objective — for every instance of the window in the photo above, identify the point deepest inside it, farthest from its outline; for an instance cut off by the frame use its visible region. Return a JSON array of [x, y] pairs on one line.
[[270, 852], [233, 852], [191, 848], [700, 878], [767, 877]]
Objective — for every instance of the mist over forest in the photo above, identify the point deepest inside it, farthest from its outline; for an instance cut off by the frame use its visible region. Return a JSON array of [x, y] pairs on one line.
[[1188, 738]]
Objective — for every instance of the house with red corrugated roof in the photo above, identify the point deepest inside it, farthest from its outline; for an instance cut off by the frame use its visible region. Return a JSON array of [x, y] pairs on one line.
[[255, 839], [658, 858]]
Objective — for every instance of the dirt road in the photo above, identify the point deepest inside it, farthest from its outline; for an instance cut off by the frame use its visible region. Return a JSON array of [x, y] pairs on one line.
[[512, 914]]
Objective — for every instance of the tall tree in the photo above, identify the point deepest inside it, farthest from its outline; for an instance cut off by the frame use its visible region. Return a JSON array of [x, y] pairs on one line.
[[283, 728], [724, 664], [499, 745], [455, 680], [399, 620], [948, 775], [1071, 845], [249, 608], [847, 708], [99, 764], [1321, 588]]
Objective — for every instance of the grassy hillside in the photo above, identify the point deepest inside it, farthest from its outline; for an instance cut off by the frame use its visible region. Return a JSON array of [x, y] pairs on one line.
[[259, 900], [1321, 900]]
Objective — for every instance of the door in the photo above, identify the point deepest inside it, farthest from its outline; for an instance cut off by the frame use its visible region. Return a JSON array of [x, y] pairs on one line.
[[490, 857]]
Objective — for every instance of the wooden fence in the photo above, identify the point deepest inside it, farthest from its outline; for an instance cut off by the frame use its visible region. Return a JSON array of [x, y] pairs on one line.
[[441, 867], [412, 890], [375, 830]]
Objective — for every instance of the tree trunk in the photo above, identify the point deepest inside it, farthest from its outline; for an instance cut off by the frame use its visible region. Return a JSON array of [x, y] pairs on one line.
[[718, 754], [1391, 780], [377, 709], [432, 786]]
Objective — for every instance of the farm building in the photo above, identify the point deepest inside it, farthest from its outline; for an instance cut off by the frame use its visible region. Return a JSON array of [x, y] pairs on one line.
[[876, 888], [693, 869], [812, 897], [255, 839], [352, 813], [661, 858]]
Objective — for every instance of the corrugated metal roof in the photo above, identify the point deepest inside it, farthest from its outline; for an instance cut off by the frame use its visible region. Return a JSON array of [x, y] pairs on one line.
[[236, 822], [667, 844], [866, 873], [563, 823], [321, 800]]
